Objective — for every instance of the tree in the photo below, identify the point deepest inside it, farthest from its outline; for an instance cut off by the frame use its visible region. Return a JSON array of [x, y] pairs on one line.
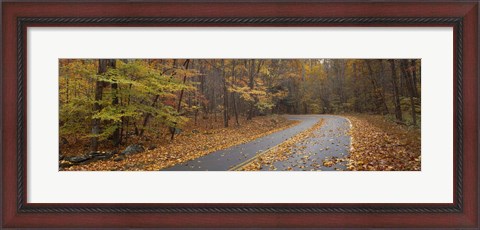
[[235, 110], [225, 96], [410, 87], [377, 91], [179, 106], [396, 96], [103, 65]]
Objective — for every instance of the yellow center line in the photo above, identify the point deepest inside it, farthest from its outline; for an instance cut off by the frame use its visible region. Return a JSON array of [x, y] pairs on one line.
[[241, 165]]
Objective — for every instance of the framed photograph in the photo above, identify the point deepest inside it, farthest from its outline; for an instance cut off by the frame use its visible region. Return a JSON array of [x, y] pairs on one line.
[[240, 114]]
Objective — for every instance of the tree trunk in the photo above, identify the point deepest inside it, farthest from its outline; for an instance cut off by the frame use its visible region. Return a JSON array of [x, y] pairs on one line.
[[376, 90], [251, 84], [410, 89], [213, 103], [99, 85], [233, 94], [225, 96], [398, 109], [413, 67], [148, 116]]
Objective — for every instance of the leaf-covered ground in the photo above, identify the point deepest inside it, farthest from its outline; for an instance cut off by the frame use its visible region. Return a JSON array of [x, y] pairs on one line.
[[381, 145], [281, 152], [193, 142]]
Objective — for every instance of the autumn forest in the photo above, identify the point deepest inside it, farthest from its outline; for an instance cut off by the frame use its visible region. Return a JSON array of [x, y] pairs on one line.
[[239, 114]]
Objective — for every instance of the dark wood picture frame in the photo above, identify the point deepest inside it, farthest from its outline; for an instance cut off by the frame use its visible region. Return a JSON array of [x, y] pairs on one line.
[[17, 16]]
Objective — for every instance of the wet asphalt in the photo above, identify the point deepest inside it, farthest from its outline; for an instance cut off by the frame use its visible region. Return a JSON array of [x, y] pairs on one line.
[[331, 140], [327, 143]]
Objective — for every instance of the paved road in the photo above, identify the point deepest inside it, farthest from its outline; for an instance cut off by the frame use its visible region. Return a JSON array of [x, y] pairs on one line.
[[324, 143], [329, 142]]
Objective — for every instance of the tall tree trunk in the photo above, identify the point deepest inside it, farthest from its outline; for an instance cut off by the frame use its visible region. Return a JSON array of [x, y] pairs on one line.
[[410, 89], [413, 67], [128, 119], [213, 103], [233, 94], [396, 96], [202, 90], [225, 96], [376, 90], [356, 94], [251, 84], [99, 85]]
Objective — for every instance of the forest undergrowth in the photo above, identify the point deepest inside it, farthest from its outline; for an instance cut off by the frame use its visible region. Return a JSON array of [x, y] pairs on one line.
[[379, 144]]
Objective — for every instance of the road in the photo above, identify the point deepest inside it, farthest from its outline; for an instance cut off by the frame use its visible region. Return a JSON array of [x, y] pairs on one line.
[[331, 140]]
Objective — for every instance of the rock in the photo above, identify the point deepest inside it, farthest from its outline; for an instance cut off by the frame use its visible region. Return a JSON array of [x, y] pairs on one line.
[[195, 131], [119, 158], [101, 155], [106, 156], [94, 154], [152, 147], [66, 161], [78, 159], [61, 157], [132, 149]]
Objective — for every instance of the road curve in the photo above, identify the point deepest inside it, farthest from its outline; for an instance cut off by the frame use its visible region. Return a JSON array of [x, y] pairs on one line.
[[329, 142], [226, 159]]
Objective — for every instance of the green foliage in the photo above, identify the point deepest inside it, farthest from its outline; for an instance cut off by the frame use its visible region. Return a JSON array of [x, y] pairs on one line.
[[141, 90], [74, 115]]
